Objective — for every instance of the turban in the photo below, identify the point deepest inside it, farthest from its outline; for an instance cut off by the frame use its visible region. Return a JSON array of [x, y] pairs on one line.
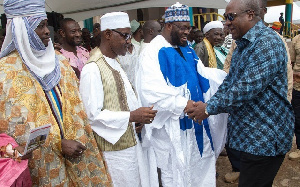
[[213, 25], [115, 20], [23, 18], [177, 12]]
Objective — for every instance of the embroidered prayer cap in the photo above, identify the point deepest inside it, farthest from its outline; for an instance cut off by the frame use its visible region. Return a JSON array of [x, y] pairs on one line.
[[213, 25], [177, 12], [134, 25], [115, 20], [276, 25]]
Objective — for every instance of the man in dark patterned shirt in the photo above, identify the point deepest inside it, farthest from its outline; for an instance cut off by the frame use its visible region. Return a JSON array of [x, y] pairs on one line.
[[255, 95]]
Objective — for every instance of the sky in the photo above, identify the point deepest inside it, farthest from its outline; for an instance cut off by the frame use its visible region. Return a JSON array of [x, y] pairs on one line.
[[274, 12]]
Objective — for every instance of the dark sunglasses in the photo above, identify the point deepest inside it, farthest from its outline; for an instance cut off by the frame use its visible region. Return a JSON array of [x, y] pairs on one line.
[[126, 36], [232, 16]]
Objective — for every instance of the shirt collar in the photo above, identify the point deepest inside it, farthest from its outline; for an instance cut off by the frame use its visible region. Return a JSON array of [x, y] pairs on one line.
[[252, 34]]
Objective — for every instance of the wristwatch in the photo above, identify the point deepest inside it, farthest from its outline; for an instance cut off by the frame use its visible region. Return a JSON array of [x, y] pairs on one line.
[[205, 111]]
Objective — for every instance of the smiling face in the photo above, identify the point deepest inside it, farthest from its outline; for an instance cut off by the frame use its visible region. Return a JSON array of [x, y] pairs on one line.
[[239, 26], [215, 36], [179, 33], [71, 33], [43, 32]]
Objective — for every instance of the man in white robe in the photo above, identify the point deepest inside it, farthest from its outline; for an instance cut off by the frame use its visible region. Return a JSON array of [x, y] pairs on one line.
[[170, 76], [112, 106]]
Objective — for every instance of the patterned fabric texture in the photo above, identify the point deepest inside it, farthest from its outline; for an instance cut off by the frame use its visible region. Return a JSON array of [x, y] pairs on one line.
[[255, 94], [23, 106]]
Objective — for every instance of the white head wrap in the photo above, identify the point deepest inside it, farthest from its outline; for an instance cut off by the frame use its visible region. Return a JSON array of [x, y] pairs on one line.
[[213, 25], [115, 20]]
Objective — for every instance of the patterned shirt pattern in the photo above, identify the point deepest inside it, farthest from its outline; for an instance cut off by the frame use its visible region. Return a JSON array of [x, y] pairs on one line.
[[255, 95]]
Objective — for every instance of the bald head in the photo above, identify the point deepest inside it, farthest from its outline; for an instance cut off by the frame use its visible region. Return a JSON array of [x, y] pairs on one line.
[[151, 29]]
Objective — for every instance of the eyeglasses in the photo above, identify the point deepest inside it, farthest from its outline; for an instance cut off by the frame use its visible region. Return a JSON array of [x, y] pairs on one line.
[[232, 16], [126, 36], [183, 28]]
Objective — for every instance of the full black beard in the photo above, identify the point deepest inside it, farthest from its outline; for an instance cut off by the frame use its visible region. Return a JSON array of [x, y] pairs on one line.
[[176, 40]]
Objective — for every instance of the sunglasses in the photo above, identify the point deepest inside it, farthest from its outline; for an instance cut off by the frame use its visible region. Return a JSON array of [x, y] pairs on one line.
[[126, 36], [232, 16]]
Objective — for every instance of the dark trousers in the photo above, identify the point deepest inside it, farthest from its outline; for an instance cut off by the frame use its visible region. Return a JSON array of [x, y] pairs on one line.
[[258, 171], [234, 158], [296, 107]]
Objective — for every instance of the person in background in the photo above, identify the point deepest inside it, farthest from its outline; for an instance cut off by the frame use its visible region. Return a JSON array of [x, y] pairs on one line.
[[39, 87], [214, 36], [171, 77], [96, 39], [112, 106], [191, 36], [77, 55], [254, 93], [295, 58], [281, 20], [199, 36], [151, 29], [86, 39], [130, 60]]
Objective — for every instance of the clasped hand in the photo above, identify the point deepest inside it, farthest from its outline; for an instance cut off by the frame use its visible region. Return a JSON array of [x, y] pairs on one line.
[[196, 111]]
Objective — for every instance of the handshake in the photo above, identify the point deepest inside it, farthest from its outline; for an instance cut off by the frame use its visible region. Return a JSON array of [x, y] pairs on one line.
[[196, 111]]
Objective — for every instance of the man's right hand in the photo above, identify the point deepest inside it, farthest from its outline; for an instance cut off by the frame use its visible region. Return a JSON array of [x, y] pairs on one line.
[[189, 105], [143, 115]]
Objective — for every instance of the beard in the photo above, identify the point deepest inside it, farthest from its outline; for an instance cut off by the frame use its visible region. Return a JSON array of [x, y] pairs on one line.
[[176, 39]]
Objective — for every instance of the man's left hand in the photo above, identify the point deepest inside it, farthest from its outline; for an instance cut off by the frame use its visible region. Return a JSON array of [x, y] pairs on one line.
[[197, 113]]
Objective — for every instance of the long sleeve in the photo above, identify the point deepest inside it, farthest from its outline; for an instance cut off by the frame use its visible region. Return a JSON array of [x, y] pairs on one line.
[[255, 77], [153, 89], [110, 125]]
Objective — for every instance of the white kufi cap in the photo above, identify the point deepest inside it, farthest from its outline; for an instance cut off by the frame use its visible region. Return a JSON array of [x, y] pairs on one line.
[[115, 20], [213, 25]]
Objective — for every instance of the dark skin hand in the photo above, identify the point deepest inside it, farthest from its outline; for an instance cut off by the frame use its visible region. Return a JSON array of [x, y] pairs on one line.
[[197, 113], [21, 149], [190, 104], [144, 115], [72, 148]]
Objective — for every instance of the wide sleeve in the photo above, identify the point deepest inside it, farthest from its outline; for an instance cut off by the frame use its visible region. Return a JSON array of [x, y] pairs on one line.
[[152, 89], [110, 125]]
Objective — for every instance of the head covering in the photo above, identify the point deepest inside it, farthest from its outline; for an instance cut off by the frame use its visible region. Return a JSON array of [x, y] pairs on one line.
[[177, 12], [134, 25], [213, 25], [276, 25], [115, 20], [23, 18]]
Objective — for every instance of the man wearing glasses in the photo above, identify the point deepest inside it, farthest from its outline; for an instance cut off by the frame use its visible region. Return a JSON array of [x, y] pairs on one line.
[[112, 106], [255, 94], [171, 77]]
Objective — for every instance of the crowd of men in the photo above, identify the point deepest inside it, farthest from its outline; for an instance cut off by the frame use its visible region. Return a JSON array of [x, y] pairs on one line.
[[147, 105]]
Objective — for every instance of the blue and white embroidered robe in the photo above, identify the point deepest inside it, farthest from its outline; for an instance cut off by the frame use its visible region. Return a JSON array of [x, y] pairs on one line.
[[186, 150]]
